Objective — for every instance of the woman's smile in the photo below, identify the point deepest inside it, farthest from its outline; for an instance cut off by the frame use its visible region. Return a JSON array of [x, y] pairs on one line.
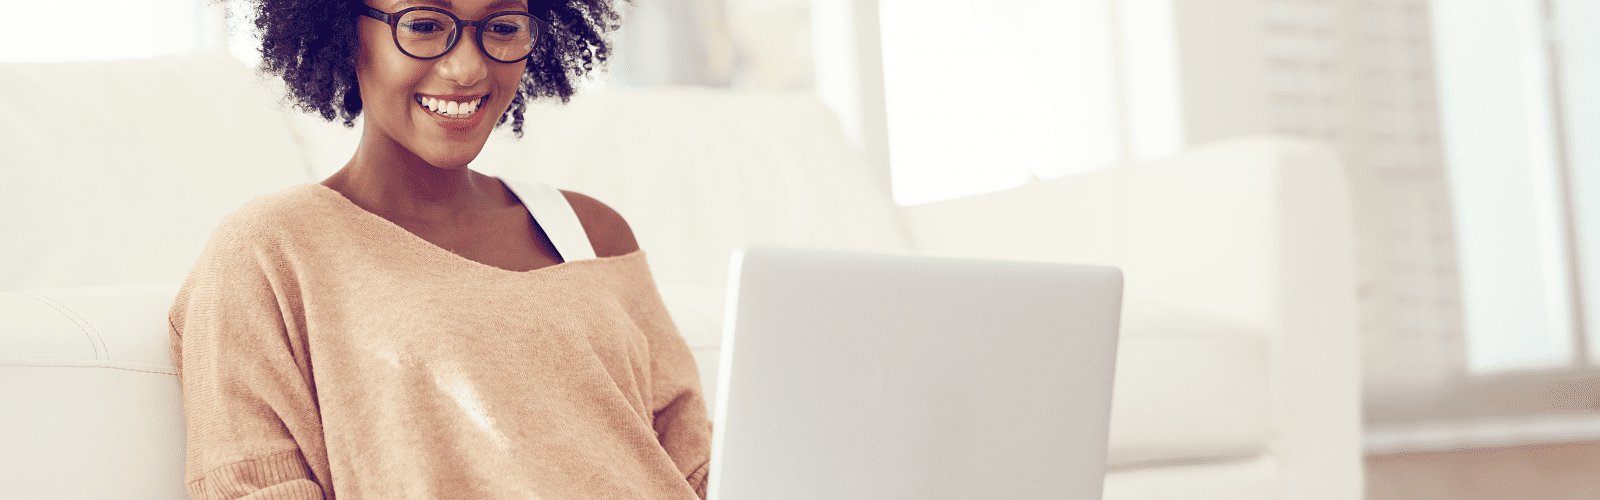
[[452, 106], [458, 113]]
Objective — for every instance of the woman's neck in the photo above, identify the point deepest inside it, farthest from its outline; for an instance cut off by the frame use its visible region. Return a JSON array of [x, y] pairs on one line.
[[393, 183]]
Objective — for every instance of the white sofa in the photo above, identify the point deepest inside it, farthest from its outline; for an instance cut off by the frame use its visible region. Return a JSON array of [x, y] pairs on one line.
[[1237, 371]]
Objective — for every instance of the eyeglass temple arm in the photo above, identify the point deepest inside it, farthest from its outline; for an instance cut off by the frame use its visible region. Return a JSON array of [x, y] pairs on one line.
[[375, 14]]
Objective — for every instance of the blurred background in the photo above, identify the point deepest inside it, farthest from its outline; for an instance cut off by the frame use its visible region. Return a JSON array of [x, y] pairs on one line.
[[1469, 131]]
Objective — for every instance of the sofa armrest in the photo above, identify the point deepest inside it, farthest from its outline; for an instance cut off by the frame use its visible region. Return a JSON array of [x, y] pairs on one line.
[[91, 398], [1254, 232]]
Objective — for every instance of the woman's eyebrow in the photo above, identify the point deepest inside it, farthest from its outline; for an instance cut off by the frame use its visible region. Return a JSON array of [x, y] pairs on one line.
[[493, 7], [443, 4]]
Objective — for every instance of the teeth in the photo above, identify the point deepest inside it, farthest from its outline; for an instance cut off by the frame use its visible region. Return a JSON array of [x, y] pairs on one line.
[[449, 108]]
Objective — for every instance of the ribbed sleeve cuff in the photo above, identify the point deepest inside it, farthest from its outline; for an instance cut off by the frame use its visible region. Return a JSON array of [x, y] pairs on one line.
[[299, 489], [281, 476], [697, 479]]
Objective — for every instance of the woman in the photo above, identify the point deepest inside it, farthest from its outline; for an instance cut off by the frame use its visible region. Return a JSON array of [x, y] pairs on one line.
[[409, 328]]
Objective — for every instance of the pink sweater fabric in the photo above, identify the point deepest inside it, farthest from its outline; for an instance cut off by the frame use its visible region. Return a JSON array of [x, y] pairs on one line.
[[325, 352]]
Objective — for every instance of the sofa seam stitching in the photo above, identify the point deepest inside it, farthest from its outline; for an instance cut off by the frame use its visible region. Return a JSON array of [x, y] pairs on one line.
[[97, 341], [81, 366]]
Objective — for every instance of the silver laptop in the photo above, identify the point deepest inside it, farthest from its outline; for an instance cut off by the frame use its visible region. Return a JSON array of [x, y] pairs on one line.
[[855, 376]]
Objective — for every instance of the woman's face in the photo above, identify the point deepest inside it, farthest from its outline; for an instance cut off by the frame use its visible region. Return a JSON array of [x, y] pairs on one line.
[[396, 89]]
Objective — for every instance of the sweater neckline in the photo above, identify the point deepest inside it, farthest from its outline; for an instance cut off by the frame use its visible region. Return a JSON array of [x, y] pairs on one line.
[[427, 246]]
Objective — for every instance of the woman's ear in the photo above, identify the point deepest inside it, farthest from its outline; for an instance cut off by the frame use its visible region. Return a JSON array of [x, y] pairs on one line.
[[352, 104]]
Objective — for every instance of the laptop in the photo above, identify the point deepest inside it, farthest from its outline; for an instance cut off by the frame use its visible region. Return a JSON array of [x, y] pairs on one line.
[[858, 376]]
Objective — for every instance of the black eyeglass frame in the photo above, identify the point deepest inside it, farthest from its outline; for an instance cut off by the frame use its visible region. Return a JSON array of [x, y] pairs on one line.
[[393, 20]]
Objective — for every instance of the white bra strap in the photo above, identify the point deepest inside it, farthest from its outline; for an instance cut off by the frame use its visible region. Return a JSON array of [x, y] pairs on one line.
[[550, 209]]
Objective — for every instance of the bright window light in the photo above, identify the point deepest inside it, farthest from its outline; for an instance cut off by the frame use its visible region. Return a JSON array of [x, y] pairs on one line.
[[1580, 65], [1503, 156], [833, 52], [1150, 68], [244, 42], [140, 28], [965, 116], [987, 95]]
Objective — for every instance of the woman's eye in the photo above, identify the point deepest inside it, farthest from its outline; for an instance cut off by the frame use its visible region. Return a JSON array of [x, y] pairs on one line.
[[505, 29], [423, 27]]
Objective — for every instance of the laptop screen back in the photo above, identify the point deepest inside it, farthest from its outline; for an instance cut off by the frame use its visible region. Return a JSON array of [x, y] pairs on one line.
[[850, 376]]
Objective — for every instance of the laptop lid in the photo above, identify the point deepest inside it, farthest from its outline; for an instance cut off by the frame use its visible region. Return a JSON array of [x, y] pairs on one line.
[[848, 376]]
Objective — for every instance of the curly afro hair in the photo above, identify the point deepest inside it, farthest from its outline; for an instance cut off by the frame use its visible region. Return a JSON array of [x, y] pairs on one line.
[[312, 44]]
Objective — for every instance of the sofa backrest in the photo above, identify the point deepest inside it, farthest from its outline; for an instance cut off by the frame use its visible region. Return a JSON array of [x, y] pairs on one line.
[[116, 172]]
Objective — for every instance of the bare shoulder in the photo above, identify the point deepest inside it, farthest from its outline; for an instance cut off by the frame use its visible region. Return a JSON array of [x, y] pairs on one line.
[[608, 233]]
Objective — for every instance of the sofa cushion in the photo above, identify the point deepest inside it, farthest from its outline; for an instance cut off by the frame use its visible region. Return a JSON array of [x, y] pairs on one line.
[[118, 171], [1254, 478], [89, 390], [1189, 385], [1182, 396]]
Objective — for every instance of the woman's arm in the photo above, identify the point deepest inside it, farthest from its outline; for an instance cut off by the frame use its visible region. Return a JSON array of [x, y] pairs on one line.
[[248, 397], [679, 407]]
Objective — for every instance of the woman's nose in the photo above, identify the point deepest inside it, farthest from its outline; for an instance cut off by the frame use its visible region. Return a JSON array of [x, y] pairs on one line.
[[466, 63]]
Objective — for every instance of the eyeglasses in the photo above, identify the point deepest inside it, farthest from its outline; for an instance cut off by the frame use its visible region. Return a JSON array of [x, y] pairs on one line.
[[429, 33]]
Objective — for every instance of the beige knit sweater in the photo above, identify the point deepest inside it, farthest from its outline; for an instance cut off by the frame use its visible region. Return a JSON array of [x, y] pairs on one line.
[[325, 352]]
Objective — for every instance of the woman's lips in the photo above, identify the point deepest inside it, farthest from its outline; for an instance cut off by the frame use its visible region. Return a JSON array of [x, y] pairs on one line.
[[456, 120]]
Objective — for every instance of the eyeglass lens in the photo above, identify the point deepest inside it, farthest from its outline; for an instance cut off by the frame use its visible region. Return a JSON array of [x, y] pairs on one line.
[[427, 34]]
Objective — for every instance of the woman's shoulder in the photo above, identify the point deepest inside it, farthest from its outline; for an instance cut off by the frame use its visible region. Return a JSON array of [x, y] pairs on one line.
[[270, 215], [248, 250], [608, 232], [269, 225]]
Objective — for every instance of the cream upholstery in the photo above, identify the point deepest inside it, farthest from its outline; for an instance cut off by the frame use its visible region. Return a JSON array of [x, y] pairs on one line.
[[91, 404], [1242, 247], [117, 171], [1237, 373]]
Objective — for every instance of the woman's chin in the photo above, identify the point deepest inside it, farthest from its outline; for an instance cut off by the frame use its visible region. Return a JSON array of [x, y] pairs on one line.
[[451, 153], [449, 143], [454, 160]]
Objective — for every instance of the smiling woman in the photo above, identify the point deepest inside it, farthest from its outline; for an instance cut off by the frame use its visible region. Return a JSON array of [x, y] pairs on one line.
[[410, 328]]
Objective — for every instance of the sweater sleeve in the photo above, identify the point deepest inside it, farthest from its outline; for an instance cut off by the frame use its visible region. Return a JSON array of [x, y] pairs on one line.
[[679, 407], [244, 371]]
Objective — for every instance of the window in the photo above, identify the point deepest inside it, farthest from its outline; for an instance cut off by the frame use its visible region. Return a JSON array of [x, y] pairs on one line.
[[987, 95], [1519, 87]]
